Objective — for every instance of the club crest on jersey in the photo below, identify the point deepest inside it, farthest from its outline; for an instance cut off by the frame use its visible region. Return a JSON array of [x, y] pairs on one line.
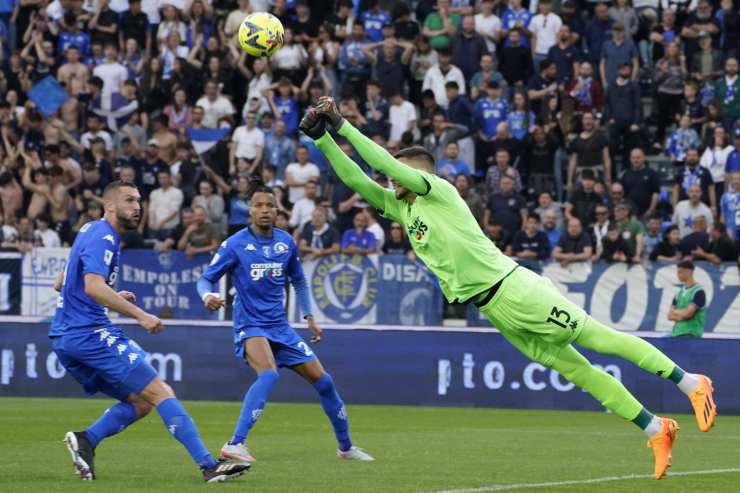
[[417, 229], [266, 250], [345, 286], [279, 248]]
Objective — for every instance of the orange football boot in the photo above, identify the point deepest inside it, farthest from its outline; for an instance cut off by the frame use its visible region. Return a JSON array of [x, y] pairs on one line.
[[662, 443]]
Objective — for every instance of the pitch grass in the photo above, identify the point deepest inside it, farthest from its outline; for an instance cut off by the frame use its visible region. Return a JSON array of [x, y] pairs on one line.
[[418, 450]]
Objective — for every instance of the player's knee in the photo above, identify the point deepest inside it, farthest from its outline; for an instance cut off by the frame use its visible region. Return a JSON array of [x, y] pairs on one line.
[[156, 392], [325, 384], [270, 377], [141, 407]]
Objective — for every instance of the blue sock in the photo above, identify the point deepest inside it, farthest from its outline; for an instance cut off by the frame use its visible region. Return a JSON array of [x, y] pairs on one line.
[[181, 426], [254, 402], [334, 409], [114, 420]]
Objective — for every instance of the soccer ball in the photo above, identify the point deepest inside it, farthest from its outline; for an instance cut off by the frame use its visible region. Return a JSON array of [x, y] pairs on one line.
[[261, 34]]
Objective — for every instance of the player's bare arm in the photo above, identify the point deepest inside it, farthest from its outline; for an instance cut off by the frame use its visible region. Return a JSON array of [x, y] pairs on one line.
[[97, 289]]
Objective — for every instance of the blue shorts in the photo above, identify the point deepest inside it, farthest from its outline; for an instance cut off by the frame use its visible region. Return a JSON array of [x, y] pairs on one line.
[[287, 346], [105, 360]]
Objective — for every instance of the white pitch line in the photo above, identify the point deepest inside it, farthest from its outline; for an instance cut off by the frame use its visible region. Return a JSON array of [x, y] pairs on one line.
[[555, 484]]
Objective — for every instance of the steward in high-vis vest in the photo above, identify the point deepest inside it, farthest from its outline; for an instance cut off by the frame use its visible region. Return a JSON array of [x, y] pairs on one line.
[[688, 306]]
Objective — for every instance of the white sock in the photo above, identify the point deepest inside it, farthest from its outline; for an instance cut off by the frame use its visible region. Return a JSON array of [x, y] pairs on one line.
[[654, 427], [688, 383]]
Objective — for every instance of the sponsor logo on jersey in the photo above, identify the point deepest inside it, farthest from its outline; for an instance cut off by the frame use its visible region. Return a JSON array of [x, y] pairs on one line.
[[270, 270], [417, 229], [345, 286]]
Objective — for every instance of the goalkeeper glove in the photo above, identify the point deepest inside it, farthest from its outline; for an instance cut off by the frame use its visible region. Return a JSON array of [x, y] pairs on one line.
[[313, 125], [328, 109]]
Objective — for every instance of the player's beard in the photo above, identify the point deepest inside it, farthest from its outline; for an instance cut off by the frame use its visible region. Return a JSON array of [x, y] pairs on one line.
[[128, 223]]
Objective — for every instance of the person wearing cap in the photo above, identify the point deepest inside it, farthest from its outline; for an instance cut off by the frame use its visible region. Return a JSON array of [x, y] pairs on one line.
[[688, 306], [615, 52], [633, 232]]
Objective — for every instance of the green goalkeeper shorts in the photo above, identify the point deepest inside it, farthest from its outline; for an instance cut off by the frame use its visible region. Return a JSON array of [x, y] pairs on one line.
[[534, 316]]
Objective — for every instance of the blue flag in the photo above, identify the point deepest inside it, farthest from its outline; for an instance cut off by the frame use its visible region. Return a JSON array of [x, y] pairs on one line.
[[205, 138], [48, 95]]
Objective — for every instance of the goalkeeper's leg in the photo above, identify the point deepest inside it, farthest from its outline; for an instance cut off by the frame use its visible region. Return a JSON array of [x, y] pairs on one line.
[[599, 337]]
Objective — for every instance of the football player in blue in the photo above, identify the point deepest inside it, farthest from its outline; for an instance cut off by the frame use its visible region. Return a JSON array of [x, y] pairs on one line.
[[262, 259], [100, 356]]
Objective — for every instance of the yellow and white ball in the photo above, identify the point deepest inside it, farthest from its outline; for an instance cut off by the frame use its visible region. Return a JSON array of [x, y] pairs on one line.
[[261, 34]]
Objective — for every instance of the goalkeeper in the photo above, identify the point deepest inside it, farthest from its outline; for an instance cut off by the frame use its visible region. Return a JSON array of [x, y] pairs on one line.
[[528, 309]]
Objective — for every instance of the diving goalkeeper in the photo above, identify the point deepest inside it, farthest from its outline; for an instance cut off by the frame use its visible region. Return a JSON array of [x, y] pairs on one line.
[[528, 309]]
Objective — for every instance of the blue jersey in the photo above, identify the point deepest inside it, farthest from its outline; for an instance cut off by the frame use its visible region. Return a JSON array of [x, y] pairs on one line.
[[511, 18], [374, 22], [732, 164], [80, 40], [489, 113], [260, 267], [730, 208], [288, 111], [95, 251], [520, 123]]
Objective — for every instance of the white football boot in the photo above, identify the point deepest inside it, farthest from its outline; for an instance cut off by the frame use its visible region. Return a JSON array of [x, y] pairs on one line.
[[236, 453], [355, 453]]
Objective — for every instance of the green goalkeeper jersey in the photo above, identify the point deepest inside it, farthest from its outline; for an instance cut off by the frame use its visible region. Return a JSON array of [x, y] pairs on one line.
[[448, 239], [440, 226]]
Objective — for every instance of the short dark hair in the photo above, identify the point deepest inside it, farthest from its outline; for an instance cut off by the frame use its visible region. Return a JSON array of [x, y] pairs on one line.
[[719, 226], [114, 186], [532, 215], [686, 264], [452, 85], [416, 152], [260, 187]]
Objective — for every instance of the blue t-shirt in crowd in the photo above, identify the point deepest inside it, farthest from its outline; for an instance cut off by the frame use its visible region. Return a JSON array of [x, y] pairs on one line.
[[520, 123], [80, 40], [364, 240], [510, 18], [288, 109], [452, 168], [733, 162], [489, 113], [374, 22]]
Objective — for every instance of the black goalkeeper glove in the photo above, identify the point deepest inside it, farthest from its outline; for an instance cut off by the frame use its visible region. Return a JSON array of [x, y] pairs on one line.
[[313, 124], [328, 109]]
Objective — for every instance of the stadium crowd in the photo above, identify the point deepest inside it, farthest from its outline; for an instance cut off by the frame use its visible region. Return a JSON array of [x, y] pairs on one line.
[[574, 130]]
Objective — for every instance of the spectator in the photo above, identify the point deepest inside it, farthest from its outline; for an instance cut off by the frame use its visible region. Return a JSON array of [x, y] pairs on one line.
[[187, 217], [284, 106], [613, 247], [517, 18], [721, 247], [318, 238], [165, 203], [597, 32], [582, 203], [515, 61], [615, 52], [542, 85], [500, 168], [484, 78], [506, 206], [623, 13], [727, 91], [248, 143], [706, 63], [698, 22], [213, 204], [468, 47], [733, 160], [150, 169], [641, 184], [631, 231], [539, 160], [441, 25], [489, 111], [215, 106], [623, 112], [303, 208], [697, 241], [451, 167], [688, 306], [11, 196], [134, 24], [377, 110], [26, 240], [470, 196], [179, 112], [590, 152], [544, 27], [521, 119], [374, 227], [45, 237], [298, 173], [573, 20], [423, 58], [398, 243], [530, 243], [499, 236], [682, 139], [401, 116], [443, 132], [686, 211], [390, 59], [587, 92], [691, 173], [359, 240], [730, 207], [442, 73], [566, 56], [461, 112], [353, 63], [574, 246], [279, 149], [715, 159], [600, 228], [93, 212], [200, 236], [729, 20], [95, 131], [653, 235], [549, 227], [669, 76], [667, 250], [488, 25], [239, 205]]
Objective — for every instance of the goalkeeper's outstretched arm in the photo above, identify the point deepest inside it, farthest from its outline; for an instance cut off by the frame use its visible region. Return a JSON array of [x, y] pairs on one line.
[[382, 160], [350, 173]]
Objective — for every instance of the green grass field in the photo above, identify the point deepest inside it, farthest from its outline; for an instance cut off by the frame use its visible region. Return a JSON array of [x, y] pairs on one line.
[[418, 450]]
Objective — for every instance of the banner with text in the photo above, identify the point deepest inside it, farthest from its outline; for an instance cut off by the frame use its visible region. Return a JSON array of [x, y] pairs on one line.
[[370, 289], [421, 368], [164, 283], [638, 297], [40, 269]]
